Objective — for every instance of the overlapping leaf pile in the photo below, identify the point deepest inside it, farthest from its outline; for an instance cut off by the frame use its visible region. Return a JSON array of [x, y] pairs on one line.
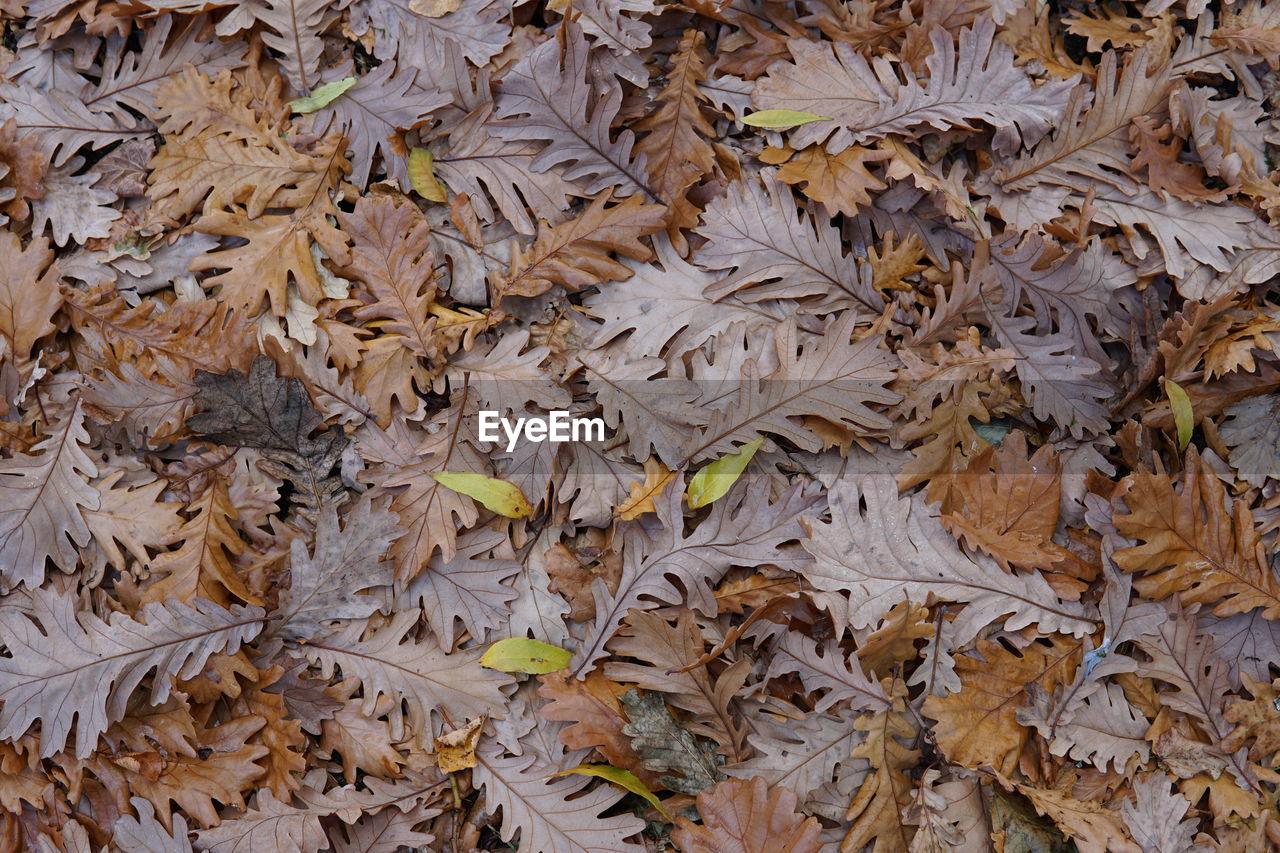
[[999, 315]]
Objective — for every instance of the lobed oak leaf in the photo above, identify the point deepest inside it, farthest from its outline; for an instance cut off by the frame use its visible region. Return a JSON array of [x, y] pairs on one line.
[[1183, 660], [96, 665], [359, 738], [977, 81], [1091, 142], [206, 563], [293, 29], [832, 380], [475, 160], [418, 673], [744, 816], [475, 29], [62, 122], [27, 165], [840, 182], [472, 587], [210, 170], [1155, 818], [824, 667], [1094, 828], [875, 814], [576, 254], [675, 147], [270, 824], [276, 265], [74, 208], [1195, 543], [389, 255], [804, 755], [596, 718], [755, 229], [1009, 505], [1100, 727], [547, 96], [326, 584], [221, 771], [896, 550], [1250, 429], [665, 654], [431, 513], [387, 831], [29, 296], [43, 497], [746, 529], [145, 834], [540, 808], [978, 725]]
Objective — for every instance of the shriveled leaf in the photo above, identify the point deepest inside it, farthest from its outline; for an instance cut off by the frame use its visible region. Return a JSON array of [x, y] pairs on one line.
[[322, 96]]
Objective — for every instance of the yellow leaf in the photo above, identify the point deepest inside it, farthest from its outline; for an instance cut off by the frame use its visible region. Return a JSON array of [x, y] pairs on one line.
[[456, 750], [781, 119], [423, 177], [713, 481], [497, 495], [520, 654], [1183, 415], [640, 501], [622, 778], [433, 8], [322, 96]]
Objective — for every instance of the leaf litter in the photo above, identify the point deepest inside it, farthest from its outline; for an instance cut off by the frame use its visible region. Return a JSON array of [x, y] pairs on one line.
[[933, 349]]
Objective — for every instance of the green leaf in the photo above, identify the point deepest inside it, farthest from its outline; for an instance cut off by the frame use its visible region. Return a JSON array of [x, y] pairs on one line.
[[713, 481], [498, 495], [622, 778], [781, 119], [520, 654], [1183, 416], [423, 177], [323, 96]]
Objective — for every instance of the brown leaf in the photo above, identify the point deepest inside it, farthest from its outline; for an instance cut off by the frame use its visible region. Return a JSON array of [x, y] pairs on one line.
[[979, 725], [596, 717], [1194, 543], [743, 816], [676, 149], [1010, 504], [576, 254], [839, 181]]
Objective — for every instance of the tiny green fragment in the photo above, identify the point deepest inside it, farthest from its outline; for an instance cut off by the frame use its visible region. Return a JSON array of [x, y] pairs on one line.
[[622, 778], [497, 495], [422, 176], [1183, 415], [323, 96], [715, 480], [781, 119], [520, 654]]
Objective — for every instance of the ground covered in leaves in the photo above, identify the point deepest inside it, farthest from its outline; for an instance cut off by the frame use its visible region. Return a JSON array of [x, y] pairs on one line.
[[987, 287]]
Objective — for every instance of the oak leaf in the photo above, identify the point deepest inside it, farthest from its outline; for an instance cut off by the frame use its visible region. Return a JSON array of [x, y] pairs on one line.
[[979, 725], [744, 816], [44, 495], [898, 551], [96, 665], [977, 81], [576, 254], [1195, 543]]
